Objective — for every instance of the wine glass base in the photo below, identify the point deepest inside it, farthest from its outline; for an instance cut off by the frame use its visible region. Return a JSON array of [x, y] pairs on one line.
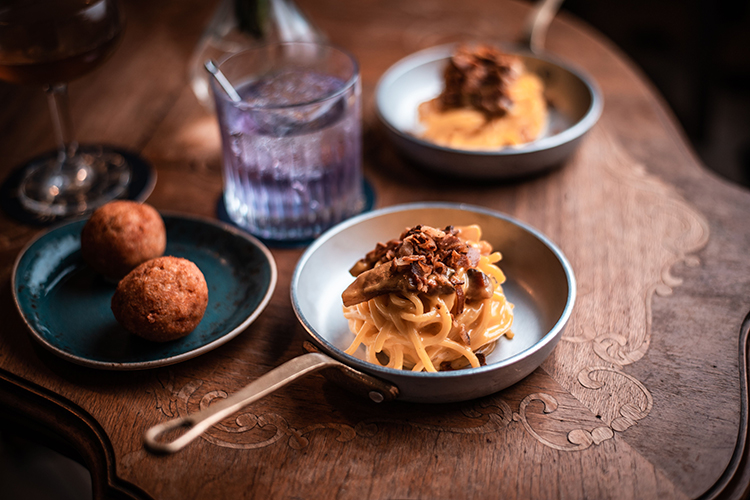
[[17, 203], [88, 180]]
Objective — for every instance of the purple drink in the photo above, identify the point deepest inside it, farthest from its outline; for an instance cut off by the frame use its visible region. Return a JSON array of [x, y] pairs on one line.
[[292, 152]]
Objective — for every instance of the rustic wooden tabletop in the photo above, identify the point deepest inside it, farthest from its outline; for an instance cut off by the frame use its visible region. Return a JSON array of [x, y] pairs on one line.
[[644, 397]]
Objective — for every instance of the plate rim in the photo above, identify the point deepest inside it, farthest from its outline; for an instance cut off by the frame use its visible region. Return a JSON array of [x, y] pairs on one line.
[[388, 373], [166, 361]]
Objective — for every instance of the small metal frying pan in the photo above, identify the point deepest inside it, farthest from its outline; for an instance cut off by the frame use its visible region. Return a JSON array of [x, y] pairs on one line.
[[540, 283], [575, 104]]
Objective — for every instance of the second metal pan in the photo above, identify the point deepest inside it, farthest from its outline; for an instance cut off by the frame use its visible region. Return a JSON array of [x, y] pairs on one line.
[[575, 104]]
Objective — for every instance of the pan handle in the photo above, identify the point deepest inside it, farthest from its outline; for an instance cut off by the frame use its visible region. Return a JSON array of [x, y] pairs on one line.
[[197, 423], [537, 24]]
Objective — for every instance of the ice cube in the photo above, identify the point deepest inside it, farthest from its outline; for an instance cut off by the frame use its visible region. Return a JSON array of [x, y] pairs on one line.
[[293, 102]]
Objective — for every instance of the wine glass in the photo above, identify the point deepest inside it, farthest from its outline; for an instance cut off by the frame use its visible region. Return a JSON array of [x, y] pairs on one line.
[[51, 42]]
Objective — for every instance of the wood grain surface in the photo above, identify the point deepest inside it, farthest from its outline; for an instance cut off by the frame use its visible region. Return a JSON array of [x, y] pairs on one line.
[[644, 397]]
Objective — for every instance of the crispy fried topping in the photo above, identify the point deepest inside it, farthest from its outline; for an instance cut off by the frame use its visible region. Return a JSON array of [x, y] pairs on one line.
[[423, 259], [479, 77]]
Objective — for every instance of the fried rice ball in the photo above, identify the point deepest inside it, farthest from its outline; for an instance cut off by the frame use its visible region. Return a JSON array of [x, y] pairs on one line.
[[121, 235], [162, 299]]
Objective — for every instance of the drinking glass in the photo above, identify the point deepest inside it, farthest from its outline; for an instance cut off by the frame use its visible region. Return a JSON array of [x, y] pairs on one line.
[[51, 42], [292, 144]]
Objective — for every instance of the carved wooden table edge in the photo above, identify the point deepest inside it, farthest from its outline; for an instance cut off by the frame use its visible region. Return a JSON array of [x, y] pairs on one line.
[[62, 425], [735, 481]]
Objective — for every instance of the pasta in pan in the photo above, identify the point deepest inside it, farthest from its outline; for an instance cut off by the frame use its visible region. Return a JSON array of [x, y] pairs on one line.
[[430, 301], [490, 100]]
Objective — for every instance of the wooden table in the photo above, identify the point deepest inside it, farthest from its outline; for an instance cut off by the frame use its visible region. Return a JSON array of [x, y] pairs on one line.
[[644, 397]]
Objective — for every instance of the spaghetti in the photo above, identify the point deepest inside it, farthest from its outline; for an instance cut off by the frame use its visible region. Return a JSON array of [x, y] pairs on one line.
[[431, 300]]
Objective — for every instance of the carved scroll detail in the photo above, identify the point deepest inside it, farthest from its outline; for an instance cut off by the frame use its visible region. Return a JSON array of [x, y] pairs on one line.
[[630, 412], [625, 337], [684, 231], [226, 434], [494, 414], [580, 439], [692, 235]]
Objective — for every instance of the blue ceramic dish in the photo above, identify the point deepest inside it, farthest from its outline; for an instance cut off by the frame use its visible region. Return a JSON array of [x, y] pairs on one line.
[[66, 305]]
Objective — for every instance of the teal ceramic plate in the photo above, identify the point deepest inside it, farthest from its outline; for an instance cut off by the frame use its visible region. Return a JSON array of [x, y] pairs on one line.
[[67, 306]]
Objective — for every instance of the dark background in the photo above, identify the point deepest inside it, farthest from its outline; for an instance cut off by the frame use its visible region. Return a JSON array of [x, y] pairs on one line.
[[697, 53]]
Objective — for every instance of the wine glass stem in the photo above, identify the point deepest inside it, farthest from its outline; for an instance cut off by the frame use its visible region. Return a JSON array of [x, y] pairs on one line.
[[57, 97]]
